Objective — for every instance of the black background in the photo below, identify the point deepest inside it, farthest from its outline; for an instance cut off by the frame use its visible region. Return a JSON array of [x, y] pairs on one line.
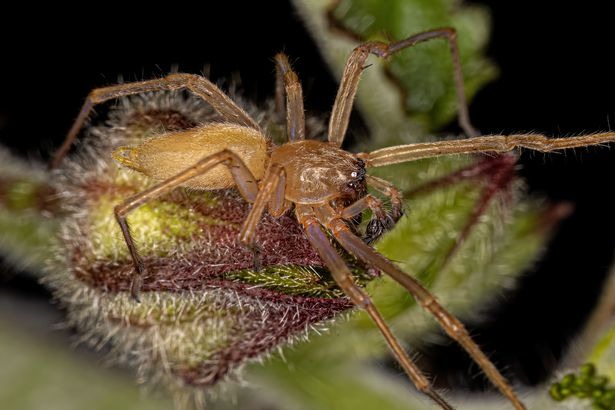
[[556, 78]]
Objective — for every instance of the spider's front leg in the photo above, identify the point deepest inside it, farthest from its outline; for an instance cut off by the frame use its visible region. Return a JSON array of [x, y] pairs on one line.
[[200, 86], [379, 226], [451, 325], [340, 115], [246, 184], [490, 143], [382, 220], [343, 277]]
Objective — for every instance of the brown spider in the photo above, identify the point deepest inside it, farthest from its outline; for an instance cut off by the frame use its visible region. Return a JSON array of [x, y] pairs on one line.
[[326, 185]]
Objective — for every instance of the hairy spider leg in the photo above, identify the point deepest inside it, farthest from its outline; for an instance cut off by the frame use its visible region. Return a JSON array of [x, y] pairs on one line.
[[367, 202], [287, 80], [267, 194], [343, 277], [246, 184], [451, 325], [491, 143], [340, 115], [379, 226], [380, 222], [279, 205], [389, 190], [200, 86]]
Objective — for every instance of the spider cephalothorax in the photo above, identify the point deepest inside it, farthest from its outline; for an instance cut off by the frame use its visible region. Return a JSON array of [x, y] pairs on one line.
[[326, 184], [316, 172]]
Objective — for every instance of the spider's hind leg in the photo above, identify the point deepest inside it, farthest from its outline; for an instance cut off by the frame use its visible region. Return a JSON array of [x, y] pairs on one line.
[[246, 184], [288, 83], [198, 85]]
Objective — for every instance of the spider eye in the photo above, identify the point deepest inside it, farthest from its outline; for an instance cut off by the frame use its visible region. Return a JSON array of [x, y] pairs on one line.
[[354, 174]]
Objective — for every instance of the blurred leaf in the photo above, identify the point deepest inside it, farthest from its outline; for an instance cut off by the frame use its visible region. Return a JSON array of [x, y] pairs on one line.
[[26, 230], [37, 375]]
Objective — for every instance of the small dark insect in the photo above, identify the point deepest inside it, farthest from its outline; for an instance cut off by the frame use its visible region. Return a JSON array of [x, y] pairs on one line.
[[326, 185]]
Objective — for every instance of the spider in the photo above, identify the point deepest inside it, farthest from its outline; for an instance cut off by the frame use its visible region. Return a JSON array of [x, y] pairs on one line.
[[325, 185]]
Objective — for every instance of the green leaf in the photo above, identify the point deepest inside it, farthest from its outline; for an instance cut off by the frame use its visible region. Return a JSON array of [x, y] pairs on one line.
[[423, 75], [411, 93], [586, 377], [43, 374]]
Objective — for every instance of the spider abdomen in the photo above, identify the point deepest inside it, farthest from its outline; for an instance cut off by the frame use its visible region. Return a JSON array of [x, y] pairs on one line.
[[166, 155]]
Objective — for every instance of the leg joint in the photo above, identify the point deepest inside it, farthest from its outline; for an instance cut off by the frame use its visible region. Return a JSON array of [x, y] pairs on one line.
[[356, 294], [119, 211], [453, 327], [450, 32], [377, 48], [226, 156], [183, 77]]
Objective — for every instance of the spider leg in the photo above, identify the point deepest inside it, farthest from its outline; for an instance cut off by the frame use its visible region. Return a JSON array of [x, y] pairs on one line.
[[246, 184], [355, 64], [268, 190], [380, 222], [286, 79], [377, 228], [278, 205], [343, 278], [362, 204], [491, 143], [198, 85], [273, 179], [451, 325]]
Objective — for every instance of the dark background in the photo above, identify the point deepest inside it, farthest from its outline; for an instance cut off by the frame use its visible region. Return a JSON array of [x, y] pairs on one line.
[[556, 78]]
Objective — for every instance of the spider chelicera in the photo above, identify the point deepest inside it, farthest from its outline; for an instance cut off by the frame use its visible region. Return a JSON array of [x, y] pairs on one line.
[[326, 185]]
